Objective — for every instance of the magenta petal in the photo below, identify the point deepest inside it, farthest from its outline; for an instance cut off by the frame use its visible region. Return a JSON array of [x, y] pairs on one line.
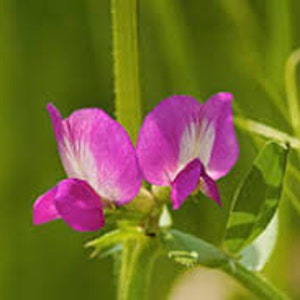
[[159, 141], [224, 149], [62, 136], [44, 209], [210, 189], [57, 121], [97, 149], [186, 182], [79, 205]]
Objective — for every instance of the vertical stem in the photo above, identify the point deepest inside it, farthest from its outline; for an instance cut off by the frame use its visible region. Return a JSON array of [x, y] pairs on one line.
[[291, 89], [124, 271], [126, 64], [138, 254], [137, 259]]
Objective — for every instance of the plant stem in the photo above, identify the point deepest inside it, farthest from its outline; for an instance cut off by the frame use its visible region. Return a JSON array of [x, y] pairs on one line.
[[137, 259], [124, 269], [291, 89], [254, 282], [126, 65], [267, 131]]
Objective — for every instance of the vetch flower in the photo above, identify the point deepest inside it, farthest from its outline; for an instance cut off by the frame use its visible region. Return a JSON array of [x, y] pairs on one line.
[[188, 145], [102, 167]]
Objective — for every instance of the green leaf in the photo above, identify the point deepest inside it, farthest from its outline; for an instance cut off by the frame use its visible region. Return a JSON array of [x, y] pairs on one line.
[[111, 242], [189, 250], [256, 255], [257, 199], [292, 186]]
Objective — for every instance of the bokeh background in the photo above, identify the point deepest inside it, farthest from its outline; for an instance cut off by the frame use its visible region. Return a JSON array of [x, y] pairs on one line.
[[60, 51]]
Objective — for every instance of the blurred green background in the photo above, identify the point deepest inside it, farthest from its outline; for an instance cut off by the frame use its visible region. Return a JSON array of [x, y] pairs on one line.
[[60, 51]]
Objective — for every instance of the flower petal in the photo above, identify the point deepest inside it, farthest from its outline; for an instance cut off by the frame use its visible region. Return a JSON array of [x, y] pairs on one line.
[[79, 205], [56, 121], [210, 189], [97, 149], [186, 182], [62, 135], [44, 209], [159, 141], [220, 150]]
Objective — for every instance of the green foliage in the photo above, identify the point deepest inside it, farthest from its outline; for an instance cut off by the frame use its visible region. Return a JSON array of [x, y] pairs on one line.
[[255, 256], [61, 51], [189, 250], [111, 242], [257, 199], [292, 186]]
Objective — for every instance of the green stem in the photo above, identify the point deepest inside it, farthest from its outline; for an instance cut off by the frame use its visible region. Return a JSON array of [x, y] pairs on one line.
[[254, 282], [266, 131], [124, 269], [291, 89], [137, 260], [126, 62]]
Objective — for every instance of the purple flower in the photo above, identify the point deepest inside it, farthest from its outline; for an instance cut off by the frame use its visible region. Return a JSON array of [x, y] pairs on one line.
[[101, 164], [185, 145]]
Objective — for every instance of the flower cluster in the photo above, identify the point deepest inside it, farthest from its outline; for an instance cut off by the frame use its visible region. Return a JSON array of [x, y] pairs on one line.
[[182, 144]]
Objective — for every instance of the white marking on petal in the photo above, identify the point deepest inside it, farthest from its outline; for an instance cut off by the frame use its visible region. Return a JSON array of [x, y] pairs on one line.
[[189, 145], [207, 138], [80, 163], [196, 142]]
